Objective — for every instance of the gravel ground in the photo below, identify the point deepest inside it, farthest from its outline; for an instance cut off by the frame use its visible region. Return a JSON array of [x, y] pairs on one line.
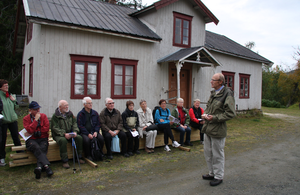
[[272, 166]]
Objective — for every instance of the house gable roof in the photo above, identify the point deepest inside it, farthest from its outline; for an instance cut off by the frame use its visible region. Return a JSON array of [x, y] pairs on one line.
[[197, 4], [89, 14], [222, 44]]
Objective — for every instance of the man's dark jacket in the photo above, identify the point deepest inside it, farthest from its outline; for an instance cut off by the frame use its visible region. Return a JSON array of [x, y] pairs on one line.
[[81, 121]]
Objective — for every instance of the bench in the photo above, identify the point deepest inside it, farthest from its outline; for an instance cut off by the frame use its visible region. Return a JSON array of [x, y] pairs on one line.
[[20, 159]]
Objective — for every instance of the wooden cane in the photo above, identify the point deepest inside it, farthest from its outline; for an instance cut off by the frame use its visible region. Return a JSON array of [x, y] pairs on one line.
[[184, 148]]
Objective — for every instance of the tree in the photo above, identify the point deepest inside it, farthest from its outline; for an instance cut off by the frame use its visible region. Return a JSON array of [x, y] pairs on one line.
[[135, 4], [250, 45]]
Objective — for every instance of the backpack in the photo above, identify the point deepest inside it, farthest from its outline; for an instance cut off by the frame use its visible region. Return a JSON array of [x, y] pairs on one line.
[[96, 153], [154, 111]]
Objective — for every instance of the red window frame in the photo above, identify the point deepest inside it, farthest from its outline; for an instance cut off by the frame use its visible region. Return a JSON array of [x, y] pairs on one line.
[[242, 92], [228, 75], [23, 79], [30, 77], [86, 60], [182, 18], [29, 32], [124, 63]]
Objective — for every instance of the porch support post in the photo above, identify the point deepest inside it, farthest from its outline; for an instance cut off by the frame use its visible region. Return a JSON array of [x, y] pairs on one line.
[[178, 67]]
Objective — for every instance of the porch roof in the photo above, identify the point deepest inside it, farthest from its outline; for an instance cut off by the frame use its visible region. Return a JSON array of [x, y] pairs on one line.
[[196, 55]]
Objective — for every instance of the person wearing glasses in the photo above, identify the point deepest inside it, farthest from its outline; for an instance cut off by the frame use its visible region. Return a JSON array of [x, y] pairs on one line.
[[183, 126], [37, 125], [89, 125], [112, 125], [220, 108], [9, 120]]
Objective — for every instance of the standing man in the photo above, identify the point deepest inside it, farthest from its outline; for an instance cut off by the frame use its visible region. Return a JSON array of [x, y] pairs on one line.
[[89, 125], [62, 124], [220, 108], [112, 125], [37, 125]]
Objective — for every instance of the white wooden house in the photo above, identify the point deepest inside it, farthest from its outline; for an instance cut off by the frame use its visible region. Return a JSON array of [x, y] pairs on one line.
[[77, 48]]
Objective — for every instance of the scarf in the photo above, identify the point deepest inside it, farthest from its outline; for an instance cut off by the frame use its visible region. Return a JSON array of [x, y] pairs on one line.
[[7, 94]]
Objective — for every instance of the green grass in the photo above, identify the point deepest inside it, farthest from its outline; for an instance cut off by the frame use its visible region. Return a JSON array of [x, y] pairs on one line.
[[243, 132]]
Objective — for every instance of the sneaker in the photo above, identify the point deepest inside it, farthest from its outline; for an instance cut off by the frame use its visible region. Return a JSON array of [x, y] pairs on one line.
[[49, 171], [2, 162], [167, 148], [175, 144], [130, 153], [37, 172], [66, 165], [137, 152]]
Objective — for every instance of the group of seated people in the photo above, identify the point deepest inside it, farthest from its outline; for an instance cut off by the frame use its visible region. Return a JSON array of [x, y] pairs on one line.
[[129, 127]]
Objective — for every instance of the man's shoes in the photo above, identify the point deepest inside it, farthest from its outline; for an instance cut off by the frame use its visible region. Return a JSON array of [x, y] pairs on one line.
[[208, 177], [167, 148], [2, 162], [175, 144], [136, 152], [37, 172], [152, 150], [216, 182], [66, 165], [201, 142], [129, 153], [188, 144], [148, 150], [109, 157], [49, 172], [81, 161], [126, 155]]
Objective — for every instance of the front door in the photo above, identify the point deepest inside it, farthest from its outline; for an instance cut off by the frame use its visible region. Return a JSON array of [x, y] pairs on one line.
[[185, 83]]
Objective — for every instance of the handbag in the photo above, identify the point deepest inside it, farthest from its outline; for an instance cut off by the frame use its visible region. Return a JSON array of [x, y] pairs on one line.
[[152, 127], [115, 144]]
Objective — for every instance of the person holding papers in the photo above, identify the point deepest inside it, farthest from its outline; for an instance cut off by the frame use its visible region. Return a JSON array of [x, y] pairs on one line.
[[130, 125], [196, 121], [182, 115], [64, 128], [163, 122], [37, 126]]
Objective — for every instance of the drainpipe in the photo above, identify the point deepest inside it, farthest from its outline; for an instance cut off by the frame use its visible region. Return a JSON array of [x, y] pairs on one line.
[[178, 67]]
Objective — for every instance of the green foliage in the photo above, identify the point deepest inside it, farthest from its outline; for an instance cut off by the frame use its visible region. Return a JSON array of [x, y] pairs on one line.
[[135, 4], [10, 65], [270, 103]]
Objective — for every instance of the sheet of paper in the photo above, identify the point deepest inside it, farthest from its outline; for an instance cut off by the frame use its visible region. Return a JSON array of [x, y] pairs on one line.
[[22, 133], [134, 133], [1, 116]]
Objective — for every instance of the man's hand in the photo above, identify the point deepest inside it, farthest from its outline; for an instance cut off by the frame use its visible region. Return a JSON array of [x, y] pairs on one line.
[[112, 133], [209, 117], [133, 129], [95, 134], [161, 120], [171, 123], [144, 128], [37, 116], [202, 122], [27, 134], [67, 136], [117, 132], [90, 136], [75, 134], [184, 126]]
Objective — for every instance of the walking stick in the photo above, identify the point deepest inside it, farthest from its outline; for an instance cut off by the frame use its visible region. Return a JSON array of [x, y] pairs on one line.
[[74, 169], [74, 146]]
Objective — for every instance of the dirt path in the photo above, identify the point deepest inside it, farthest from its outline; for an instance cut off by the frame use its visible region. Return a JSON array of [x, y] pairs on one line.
[[271, 166]]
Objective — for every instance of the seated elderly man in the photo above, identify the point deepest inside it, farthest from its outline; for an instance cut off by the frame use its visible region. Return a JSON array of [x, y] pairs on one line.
[[112, 125], [37, 125], [89, 125], [64, 127]]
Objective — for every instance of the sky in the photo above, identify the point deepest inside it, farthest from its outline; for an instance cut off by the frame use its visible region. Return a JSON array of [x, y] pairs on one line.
[[274, 26]]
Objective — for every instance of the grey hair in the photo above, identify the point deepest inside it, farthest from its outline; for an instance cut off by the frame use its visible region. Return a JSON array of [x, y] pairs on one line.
[[197, 100], [222, 78], [86, 98], [180, 99], [60, 102], [106, 100], [142, 100]]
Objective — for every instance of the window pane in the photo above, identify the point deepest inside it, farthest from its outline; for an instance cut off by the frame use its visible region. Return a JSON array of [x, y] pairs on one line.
[[128, 90], [79, 89], [185, 32], [129, 70], [118, 90], [79, 78], [79, 67], [246, 87], [246, 93], [242, 93], [185, 40], [186, 24], [92, 90], [118, 70], [128, 80], [118, 80], [178, 31], [92, 79], [92, 68]]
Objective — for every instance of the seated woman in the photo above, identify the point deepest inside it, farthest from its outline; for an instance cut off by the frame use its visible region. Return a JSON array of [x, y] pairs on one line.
[[37, 125], [162, 118], [130, 125], [195, 113], [182, 114], [146, 121]]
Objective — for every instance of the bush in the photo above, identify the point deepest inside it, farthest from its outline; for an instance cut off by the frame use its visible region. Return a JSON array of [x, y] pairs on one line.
[[268, 103]]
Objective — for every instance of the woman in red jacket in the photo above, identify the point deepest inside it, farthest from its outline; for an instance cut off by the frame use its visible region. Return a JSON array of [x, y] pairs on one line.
[[37, 125], [195, 114]]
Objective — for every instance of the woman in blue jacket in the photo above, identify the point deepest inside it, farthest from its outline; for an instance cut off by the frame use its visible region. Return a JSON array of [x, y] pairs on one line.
[[162, 119]]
